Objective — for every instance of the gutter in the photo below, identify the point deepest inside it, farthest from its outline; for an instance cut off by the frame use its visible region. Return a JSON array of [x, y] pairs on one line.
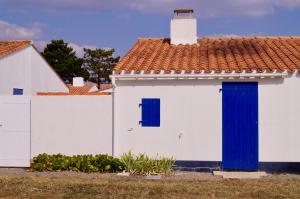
[[113, 116]]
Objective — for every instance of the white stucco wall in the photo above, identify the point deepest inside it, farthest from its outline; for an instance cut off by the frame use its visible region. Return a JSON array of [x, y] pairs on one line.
[[26, 69], [71, 125], [15, 72], [43, 77], [190, 119], [279, 120], [193, 109]]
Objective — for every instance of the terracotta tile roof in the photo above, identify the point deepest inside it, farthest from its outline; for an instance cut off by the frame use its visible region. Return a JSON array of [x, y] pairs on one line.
[[213, 54], [80, 90], [84, 90], [8, 47], [71, 94], [105, 87]]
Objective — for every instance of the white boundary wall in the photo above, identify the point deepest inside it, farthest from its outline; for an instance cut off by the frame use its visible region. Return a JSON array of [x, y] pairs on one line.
[[191, 119], [71, 125], [14, 131]]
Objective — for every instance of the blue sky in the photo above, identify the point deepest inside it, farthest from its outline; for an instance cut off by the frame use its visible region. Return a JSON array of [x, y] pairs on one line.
[[118, 23]]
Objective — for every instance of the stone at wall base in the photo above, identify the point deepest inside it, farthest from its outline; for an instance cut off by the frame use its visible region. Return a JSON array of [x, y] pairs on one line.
[[240, 175], [153, 177], [124, 174]]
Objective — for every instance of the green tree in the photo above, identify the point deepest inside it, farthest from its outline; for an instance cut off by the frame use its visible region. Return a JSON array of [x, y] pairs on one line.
[[100, 63], [64, 61]]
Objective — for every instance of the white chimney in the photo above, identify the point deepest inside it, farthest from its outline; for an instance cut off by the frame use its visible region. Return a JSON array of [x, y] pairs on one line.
[[183, 27], [78, 82]]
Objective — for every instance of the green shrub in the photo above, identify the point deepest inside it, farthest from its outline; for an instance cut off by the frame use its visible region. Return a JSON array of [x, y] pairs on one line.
[[42, 162], [83, 163], [144, 165]]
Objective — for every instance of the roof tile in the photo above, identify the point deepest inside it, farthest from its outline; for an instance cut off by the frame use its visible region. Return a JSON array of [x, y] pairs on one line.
[[8, 47], [80, 90], [83, 90], [213, 54]]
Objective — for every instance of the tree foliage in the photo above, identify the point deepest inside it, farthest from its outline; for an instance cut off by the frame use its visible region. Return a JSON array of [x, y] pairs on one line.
[[64, 61], [100, 63]]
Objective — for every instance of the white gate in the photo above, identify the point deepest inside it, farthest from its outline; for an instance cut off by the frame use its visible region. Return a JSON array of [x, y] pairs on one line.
[[14, 131]]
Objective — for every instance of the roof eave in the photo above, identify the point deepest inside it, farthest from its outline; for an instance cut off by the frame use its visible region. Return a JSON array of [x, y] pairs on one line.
[[212, 75]]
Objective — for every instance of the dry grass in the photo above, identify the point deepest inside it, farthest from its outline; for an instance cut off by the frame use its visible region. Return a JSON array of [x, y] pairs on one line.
[[76, 187]]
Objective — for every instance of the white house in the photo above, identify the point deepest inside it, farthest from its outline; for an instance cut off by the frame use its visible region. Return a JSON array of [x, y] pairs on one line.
[[210, 102], [23, 71], [231, 103]]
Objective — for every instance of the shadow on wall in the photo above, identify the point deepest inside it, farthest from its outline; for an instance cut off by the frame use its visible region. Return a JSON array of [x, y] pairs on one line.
[[134, 83], [275, 81], [203, 82]]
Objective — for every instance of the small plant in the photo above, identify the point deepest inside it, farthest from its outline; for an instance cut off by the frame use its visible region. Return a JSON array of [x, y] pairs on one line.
[[83, 163], [144, 165]]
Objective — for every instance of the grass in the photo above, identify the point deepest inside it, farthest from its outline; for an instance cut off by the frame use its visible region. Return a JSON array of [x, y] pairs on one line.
[[75, 187]]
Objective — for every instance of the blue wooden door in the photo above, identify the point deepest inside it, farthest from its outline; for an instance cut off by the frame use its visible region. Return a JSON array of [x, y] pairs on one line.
[[240, 125]]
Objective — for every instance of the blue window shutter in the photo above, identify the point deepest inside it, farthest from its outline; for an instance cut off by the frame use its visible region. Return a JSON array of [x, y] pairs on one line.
[[150, 112], [18, 91]]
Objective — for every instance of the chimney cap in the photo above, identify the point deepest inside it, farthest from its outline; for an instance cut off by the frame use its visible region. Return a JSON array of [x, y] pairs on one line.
[[183, 11]]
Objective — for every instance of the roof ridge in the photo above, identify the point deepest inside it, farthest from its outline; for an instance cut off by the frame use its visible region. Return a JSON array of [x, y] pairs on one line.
[[224, 37], [152, 38]]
